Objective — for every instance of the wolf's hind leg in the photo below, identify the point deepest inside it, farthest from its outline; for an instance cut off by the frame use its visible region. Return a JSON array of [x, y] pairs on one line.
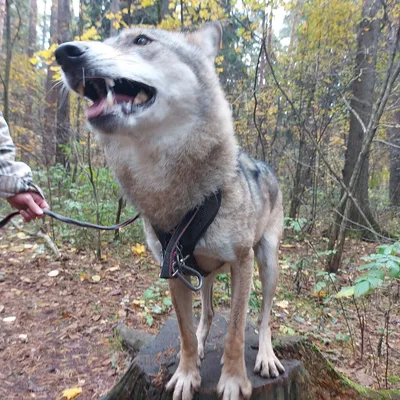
[[267, 364], [207, 313]]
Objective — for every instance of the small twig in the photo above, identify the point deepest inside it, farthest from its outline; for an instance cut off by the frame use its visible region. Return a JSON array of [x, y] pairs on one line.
[[256, 101], [387, 143], [53, 247]]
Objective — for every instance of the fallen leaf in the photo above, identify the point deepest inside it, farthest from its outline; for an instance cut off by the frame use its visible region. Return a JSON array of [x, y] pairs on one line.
[[53, 273], [96, 317], [23, 337], [1, 308], [364, 379], [9, 319], [138, 249], [113, 269], [282, 304], [96, 278], [70, 394], [82, 276], [16, 291]]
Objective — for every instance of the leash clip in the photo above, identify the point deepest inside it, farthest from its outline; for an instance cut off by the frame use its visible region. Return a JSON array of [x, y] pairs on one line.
[[180, 269]]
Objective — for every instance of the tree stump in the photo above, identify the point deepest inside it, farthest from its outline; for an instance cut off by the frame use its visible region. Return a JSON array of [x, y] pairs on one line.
[[308, 374], [157, 361]]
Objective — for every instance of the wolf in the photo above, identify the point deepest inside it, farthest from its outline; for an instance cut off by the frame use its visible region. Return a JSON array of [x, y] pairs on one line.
[[160, 114]]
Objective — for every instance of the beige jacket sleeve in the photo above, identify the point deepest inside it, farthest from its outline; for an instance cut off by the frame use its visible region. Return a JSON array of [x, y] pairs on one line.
[[15, 177]]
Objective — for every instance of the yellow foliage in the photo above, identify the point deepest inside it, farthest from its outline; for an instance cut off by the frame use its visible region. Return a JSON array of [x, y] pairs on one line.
[[90, 34], [33, 60], [146, 3], [219, 60]]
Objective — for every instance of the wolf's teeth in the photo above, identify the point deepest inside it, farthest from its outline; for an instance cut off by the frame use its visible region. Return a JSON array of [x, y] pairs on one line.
[[110, 98], [140, 98], [110, 82]]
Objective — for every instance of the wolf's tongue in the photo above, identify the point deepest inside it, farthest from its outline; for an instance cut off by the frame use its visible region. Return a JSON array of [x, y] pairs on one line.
[[96, 108], [100, 106]]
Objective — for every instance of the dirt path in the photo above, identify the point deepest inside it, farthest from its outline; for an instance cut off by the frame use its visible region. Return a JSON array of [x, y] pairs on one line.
[[62, 336]]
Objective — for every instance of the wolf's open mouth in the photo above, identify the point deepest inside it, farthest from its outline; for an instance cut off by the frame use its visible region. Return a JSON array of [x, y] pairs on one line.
[[107, 94]]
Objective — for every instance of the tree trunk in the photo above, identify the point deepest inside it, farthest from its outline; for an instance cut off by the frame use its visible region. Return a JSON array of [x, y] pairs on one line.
[[63, 103], [44, 29], [2, 15], [52, 93], [32, 35], [394, 182], [163, 9], [8, 62], [362, 100], [115, 10]]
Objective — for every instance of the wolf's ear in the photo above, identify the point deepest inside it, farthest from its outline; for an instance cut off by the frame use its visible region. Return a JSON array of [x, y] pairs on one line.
[[208, 38]]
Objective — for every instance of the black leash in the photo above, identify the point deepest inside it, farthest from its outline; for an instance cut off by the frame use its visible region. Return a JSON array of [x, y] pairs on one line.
[[72, 221], [178, 245]]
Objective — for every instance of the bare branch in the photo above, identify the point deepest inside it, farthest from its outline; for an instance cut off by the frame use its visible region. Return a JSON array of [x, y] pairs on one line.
[[387, 143]]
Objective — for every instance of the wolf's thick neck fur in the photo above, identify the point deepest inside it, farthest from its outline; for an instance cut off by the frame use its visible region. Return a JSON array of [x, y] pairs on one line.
[[168, 170]]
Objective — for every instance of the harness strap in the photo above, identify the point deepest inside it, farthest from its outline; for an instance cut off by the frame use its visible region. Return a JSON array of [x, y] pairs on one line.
[[179, 244]]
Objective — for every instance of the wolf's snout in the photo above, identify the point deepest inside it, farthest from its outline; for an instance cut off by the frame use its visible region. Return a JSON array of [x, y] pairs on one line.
[[70, 55]]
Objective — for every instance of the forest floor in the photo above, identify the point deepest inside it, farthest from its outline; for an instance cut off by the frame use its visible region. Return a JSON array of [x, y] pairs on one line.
[[65, 312]]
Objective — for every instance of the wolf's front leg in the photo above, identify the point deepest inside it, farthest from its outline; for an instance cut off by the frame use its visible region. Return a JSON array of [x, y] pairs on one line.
[[234, 384], [186, 380]]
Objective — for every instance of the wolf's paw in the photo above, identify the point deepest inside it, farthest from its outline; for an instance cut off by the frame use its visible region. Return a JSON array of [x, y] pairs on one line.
[[268, 366], [234, 387], [184, 383]]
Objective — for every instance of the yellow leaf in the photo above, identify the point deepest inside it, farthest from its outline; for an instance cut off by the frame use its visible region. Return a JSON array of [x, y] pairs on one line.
[[320, 294], [70, 394], [139, 249], [96, 278], [282, 304]]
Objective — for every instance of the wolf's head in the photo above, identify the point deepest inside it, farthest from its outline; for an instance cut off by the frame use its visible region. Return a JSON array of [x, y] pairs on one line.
[[145, 77]]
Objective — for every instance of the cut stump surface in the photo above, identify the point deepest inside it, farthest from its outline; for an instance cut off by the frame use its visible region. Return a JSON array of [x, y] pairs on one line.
[[308, 374], [157, 361]]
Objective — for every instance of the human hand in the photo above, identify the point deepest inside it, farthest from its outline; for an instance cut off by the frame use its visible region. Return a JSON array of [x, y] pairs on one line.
[[30, 204]]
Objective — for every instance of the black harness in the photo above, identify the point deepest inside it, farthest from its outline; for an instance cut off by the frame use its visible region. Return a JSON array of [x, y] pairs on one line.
[[177, 259]]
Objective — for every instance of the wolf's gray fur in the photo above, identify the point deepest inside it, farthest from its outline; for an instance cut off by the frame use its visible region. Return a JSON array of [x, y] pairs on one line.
[[171, 155]]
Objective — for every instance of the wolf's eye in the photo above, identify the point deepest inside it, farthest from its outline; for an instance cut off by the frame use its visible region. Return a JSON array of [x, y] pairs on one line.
[[142, 40]]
